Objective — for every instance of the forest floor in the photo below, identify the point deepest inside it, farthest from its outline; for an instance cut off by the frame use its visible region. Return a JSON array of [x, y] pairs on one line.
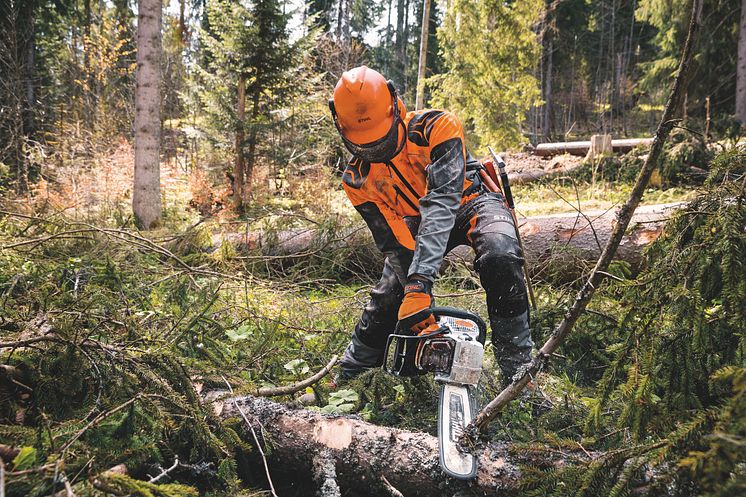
[[110, 330]]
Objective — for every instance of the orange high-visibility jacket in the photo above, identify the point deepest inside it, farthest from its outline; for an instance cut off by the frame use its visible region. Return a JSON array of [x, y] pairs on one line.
[[428, 179]]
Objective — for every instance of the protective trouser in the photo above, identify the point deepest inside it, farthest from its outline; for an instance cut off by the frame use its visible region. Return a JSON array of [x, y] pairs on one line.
[[484, 223]]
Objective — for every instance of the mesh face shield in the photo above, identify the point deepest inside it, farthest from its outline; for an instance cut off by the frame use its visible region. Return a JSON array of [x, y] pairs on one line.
[[385, 148]]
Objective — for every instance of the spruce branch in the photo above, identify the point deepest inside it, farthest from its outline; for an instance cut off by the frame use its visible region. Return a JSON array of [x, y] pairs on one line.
[[624, 216]]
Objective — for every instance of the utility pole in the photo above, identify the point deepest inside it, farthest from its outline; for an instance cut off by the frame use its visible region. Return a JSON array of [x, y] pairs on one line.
[[420, 99]]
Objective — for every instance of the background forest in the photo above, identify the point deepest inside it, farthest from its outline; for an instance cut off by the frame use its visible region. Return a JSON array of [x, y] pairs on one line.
[[173, 232]]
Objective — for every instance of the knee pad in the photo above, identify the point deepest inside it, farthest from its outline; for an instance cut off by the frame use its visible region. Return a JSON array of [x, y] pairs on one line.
[[502, 278]]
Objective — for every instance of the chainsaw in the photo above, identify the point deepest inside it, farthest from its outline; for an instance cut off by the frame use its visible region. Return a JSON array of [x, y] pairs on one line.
[[453, 352]]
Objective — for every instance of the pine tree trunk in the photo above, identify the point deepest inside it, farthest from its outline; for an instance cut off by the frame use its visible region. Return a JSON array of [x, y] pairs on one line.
[[238, 172], [182, 23], [741, 69], [29, 72], [340, 13], [87, 71], [146, 196], [252, 146], [422, 65], [547, 121], [400, 42]]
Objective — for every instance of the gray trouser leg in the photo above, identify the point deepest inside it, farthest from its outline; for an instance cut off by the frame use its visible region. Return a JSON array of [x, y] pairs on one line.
[[499, 261], [511, 338], [379, 318]]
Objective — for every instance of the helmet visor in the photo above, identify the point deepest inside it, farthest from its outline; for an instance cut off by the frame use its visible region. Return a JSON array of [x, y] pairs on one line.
[[382, 150]]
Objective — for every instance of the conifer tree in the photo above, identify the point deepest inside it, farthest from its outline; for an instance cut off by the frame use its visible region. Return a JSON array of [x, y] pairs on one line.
[[488, 51], [714, 67], [246, 73]]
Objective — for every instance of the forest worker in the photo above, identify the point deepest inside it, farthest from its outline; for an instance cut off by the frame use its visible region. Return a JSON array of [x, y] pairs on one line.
[[419, 190]]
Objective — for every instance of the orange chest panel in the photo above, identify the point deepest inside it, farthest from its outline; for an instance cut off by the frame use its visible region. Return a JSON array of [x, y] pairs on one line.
[[400, 184]]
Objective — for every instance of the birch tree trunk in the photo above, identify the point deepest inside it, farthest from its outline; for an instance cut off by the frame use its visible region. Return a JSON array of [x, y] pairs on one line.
[[146, 196], [741, 68], [422, 65]]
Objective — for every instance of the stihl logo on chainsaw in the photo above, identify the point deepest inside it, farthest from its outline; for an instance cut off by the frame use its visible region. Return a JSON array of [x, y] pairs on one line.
[[456, 405]]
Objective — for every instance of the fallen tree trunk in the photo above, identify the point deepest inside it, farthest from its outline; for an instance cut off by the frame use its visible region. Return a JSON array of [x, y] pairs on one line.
[[525, 168], [365, 459], [581, 236], [582, 147]]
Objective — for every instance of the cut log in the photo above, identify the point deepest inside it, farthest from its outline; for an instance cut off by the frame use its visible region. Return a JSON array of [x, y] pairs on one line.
[[582, 147], [368, 459], [543, 236], [525, 168], [583, 237]]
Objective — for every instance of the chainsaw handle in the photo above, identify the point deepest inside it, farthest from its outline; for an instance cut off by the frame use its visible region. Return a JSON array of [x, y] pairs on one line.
[[452, 312]]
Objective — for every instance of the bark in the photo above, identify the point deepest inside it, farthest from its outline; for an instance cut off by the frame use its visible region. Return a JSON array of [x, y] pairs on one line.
[[183, 33], [340, 13], [543, 236], [17, 66], [146, 195], [238, 171], [741, 68], [582, 147], [623, 220], [29, 70], [252, 145], [88, 96], [367, 459], [422, 65], [400, 41]]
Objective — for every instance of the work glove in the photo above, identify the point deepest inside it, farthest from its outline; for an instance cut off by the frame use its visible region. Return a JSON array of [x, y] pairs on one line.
[[415, 312]]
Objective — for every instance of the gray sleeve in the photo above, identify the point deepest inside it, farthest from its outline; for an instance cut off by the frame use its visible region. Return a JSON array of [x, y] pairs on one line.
[[445, 184]]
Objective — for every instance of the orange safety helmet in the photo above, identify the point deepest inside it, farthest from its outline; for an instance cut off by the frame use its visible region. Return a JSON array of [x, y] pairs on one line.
[[367, 113]]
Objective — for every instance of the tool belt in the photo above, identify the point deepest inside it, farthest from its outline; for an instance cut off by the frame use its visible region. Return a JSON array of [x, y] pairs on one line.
[[472, 174]]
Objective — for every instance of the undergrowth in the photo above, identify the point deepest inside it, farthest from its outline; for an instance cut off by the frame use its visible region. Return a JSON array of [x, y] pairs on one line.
[[110, 338]]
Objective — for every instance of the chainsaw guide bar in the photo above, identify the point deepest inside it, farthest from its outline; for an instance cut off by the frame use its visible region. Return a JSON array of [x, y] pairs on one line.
[[456, 412]]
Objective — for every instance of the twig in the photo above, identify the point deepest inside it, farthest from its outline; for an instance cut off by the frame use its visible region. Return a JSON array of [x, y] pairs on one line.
[[624, 216], [165, 471], [2, 478], [392, 489], [253, 434], [609, 275], [96, 420], [579, 211], [296, 387]]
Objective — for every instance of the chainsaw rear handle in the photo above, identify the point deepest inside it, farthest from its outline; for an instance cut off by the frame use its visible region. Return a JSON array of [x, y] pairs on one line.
[[440, 311]]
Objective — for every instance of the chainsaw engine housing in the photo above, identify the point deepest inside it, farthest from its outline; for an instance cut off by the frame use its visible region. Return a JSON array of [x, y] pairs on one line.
[[453, 352]]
